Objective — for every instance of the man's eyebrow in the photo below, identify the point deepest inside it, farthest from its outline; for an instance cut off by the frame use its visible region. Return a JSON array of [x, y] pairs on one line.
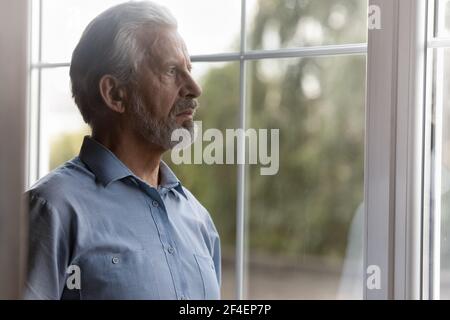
[[177, 63]]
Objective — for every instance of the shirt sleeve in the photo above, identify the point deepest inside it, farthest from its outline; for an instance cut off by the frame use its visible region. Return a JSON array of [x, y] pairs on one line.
[[47, 251]]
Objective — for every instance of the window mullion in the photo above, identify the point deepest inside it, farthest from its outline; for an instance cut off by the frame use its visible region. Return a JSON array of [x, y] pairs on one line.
[[409, 149], [240, 197], [394, 151]]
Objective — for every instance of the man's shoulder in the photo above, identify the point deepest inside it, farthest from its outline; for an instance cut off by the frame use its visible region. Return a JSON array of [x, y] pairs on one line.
[[62, 183], [191, 198], [197, 204], [209, 231]]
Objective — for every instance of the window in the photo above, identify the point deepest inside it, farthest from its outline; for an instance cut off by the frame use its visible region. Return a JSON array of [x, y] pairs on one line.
[[296, 66], [305, 222]]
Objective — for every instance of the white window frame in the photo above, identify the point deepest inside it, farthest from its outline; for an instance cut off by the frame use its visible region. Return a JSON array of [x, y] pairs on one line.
[[394, 168], [434, 106]]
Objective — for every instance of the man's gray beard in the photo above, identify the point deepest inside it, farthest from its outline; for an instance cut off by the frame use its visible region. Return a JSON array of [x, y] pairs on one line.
[[159, 132]]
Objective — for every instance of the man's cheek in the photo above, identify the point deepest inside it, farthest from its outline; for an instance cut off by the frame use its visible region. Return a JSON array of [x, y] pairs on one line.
[[173, 108]]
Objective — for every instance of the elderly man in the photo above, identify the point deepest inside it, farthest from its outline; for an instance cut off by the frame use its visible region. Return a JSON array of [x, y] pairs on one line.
[[115, 222]]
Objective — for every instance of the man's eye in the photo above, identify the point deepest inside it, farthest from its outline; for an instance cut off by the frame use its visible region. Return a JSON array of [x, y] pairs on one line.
[[172, 71]]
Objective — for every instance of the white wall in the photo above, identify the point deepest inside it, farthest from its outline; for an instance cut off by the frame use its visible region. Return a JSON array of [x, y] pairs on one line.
[[13, 99]]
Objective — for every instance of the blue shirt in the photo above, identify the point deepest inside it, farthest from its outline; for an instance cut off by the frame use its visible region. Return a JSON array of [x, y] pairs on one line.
[[129, 240]]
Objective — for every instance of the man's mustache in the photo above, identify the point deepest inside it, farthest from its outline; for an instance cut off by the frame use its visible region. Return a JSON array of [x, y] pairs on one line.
[[185, 105]]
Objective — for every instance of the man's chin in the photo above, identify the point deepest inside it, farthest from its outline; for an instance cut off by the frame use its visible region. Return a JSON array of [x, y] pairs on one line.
[[186, 124], [185, 141]]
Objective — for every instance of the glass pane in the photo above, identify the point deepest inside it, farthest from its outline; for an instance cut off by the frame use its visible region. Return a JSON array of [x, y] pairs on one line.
[[63, 22], [62, 127], [305, 224], [34, 32], [216, 31], [214, 185], [275, 24], [443, 18]]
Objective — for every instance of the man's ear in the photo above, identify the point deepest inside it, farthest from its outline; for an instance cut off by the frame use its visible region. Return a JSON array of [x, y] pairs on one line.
[[114, 97]]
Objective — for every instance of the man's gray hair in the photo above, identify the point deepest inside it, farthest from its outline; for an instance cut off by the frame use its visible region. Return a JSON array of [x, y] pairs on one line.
[[109, 46]]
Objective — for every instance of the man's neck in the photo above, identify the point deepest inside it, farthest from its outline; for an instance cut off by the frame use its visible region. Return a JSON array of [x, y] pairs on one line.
[[141, 157]]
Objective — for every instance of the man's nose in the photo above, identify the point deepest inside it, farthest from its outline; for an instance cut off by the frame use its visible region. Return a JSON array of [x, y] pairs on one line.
[[191, 89]]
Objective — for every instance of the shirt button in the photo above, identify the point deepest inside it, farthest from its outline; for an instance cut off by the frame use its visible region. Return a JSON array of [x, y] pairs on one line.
[[155, 203], [171, 250], [115, 260]]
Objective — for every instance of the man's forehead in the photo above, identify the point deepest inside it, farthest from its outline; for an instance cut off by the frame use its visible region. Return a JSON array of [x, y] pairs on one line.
[[163, 43]]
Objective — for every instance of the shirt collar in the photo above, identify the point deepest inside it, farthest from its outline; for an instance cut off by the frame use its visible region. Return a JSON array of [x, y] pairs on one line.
[[168, 179], [102, 162], [108, 168]]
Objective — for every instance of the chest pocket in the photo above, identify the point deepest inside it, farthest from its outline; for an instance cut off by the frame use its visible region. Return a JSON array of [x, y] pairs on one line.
[[211, 290], [123, 275]]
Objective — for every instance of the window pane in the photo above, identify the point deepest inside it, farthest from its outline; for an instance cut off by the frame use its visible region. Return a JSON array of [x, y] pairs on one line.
[[305, 224], [275, 24], [63, 23], [62, 127], [207, 26], [34, 32], [443, 18], [214, 185]]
